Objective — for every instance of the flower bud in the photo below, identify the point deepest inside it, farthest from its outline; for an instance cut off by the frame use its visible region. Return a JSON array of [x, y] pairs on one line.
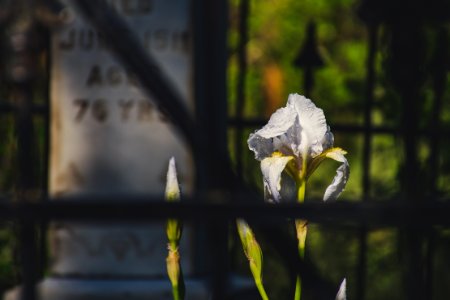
[[251, 249]]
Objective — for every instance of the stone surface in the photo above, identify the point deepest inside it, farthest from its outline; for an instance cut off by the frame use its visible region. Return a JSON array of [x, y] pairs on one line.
[[111, 289], [133, 289], [108, 137], [106, 250]]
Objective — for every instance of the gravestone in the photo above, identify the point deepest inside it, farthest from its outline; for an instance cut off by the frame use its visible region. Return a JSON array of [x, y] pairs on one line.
[[109, 138]]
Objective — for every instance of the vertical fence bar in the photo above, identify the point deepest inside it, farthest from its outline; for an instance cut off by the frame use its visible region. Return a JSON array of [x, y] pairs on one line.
[[440, 66], [211, 106], [22, 43], [368, 107], [22, 96], [367, 149], [240, 92], [43, 224], [27, 235], [429, 255], [407, 62], [309, 58], [210, 60]]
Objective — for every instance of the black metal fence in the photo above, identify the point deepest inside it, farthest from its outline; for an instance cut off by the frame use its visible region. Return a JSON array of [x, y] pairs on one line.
[[417, 213]]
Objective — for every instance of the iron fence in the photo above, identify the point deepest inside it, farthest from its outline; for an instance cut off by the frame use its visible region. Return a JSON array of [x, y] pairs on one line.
[[417, 214]]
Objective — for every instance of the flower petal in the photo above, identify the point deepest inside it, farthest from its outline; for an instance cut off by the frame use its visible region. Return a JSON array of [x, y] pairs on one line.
[[316, 161], [278, 124], [328, 139], [271, 168], [340, 180], [261, 142], [312, 122], [342, 293]]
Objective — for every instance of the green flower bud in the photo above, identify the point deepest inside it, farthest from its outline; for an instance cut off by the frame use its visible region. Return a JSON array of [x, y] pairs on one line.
[[174, 229], [251, 249], [253, 253], [172, 186], [301, 226], [173, 266]]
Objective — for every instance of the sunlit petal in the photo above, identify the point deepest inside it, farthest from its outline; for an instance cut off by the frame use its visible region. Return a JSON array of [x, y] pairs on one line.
[[279, 123], [333, 153], [312, 122], [261, 142], [340, 179], [271, 168]]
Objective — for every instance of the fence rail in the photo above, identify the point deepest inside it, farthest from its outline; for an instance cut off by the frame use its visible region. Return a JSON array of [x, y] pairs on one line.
[[140, 209]]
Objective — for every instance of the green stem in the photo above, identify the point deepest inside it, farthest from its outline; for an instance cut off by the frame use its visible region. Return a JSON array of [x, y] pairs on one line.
[[175, 293], [301, 249], [300, 227], [298, 283], [298, 288], [261, 290], [301, 191]]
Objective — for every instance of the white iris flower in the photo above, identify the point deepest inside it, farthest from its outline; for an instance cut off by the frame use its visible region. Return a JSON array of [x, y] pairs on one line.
[[297, 139]]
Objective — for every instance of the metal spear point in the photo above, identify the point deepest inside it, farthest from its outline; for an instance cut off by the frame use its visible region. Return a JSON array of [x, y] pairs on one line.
[[309, 58]]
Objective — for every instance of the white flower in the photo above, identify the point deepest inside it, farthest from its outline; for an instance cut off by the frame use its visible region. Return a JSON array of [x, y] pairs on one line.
[[297, 139]]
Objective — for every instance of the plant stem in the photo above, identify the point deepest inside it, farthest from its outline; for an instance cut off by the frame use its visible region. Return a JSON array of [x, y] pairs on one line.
[[298, 288], [301, 191], [176, 293], [301, 229], [261, 290]]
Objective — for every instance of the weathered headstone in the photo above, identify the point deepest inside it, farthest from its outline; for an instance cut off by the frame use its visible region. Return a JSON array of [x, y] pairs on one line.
[[107, 135], [109, 138]]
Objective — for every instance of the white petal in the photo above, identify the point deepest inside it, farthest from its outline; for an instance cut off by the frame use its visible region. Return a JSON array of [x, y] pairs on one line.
[[271, 168], [312, 122], [278, 124], [262, 147], [340, 180], [342, 293], [337, 154], [288, 191], [328, 139], [172, 186], [261, 142]]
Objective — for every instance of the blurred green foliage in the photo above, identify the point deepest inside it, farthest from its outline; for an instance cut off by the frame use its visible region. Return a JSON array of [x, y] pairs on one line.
[[277, 32]]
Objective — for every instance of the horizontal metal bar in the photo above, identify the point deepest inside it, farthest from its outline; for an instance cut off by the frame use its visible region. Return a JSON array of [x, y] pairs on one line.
[[347, 128], [135, 209], [6, 108], [258, 122]]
